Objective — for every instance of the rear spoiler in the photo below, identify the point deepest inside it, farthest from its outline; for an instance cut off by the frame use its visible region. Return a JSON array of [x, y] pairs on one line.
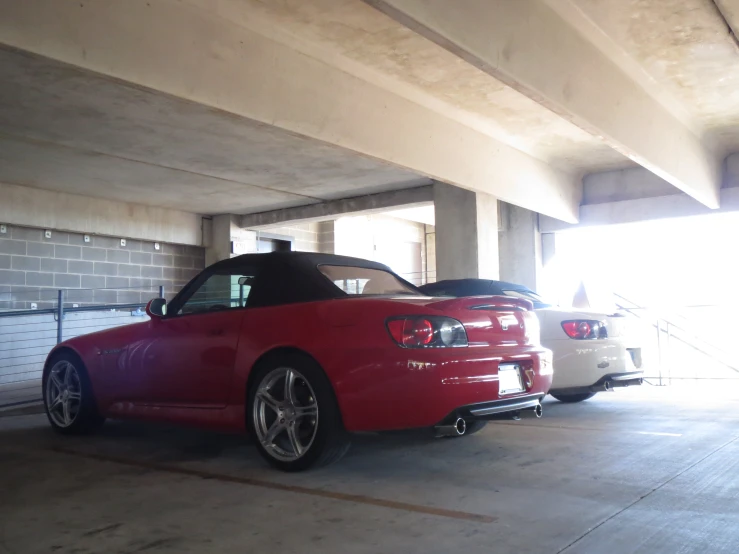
[[490, 303]]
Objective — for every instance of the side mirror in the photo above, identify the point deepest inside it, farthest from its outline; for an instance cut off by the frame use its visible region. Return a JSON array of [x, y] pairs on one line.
[[157, 307]]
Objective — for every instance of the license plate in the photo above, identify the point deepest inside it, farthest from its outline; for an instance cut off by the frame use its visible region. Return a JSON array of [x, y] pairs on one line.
[[509, 379]]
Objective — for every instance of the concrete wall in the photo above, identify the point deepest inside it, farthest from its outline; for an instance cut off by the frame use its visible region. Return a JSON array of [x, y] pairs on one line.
[[101, 271], [430, 261], [33, 267], [304, 235], [466, 233], [385, 239], [635, 195], [624, 184], [731, 173], [70, 212], [519, 243]]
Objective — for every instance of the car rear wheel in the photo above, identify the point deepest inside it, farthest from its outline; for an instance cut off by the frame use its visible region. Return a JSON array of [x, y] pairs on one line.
[[572, 398], [293, 414], [68, 398]]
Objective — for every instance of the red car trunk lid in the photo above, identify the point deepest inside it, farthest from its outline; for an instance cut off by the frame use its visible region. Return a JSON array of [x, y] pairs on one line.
[[493, 320]]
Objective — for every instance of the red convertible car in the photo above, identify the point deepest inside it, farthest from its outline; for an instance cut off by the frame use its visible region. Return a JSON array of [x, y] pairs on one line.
[[299, 350]]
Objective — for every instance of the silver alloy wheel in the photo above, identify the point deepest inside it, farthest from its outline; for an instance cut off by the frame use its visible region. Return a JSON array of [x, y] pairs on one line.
[[63, 393], [285, 414]]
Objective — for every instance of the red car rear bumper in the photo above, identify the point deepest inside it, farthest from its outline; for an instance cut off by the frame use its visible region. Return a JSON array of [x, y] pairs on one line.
[[403, 388]]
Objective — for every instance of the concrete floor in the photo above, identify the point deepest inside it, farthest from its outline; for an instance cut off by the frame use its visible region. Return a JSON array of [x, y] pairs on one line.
[[645, 470]]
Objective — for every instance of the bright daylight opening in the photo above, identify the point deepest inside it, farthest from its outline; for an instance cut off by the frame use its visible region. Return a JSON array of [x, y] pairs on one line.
[[677, 277]]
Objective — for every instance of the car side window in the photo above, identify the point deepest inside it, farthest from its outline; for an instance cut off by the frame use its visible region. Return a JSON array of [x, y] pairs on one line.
[[220, 291]]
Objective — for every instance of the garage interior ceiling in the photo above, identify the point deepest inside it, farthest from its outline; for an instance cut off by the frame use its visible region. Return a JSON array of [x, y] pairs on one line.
[[70, 130], [67, 129], [380, 49], [688, 51]]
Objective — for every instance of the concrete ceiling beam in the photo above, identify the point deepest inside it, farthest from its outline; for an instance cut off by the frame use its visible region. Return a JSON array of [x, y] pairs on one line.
[[191, 52], [529, 46], [639, 210], [370, 203]]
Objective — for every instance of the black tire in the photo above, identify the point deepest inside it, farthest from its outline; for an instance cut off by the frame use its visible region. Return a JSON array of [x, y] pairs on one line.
[[572, 398], [330, 440], [86, 418]]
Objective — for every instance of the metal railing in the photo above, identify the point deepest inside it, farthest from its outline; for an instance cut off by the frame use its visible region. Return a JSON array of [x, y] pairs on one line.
[[683, 347], [419, 278], [32, 322]]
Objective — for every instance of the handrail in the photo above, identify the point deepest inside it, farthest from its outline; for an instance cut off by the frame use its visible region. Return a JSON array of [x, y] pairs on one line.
[[691, 343], [94, 308]]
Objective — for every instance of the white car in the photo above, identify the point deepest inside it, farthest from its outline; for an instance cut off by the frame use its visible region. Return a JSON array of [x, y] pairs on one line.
[[592, 352]]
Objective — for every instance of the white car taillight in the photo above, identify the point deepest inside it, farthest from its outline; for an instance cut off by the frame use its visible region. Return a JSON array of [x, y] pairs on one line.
[[583, 329]]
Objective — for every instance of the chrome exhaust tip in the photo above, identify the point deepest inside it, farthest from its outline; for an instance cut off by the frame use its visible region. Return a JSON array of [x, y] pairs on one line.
[[605, 387], [536, 412], [460, 426], [454, 429]]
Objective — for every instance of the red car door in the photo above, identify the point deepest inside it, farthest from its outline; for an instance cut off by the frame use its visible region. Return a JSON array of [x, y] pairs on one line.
[[189, 360], [189, 357]]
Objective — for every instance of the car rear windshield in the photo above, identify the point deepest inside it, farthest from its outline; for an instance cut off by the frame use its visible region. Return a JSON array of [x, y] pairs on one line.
[[365, 281]]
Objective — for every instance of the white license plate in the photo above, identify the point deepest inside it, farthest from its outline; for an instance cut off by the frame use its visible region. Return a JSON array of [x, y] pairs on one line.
[[509, 379]]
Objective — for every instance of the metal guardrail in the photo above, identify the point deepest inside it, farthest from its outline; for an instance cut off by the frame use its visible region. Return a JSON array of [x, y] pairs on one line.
[[27, 335], [419, 277], [672, 335]]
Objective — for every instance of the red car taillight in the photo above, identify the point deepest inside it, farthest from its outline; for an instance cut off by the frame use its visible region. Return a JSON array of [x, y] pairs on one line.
[[582, 329], [427, 332]]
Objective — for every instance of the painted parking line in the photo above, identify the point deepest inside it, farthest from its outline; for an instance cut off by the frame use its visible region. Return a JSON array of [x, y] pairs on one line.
[[355, 498], [578, 428]]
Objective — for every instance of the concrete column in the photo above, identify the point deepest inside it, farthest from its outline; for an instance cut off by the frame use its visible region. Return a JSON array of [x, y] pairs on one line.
[[326, 237], [224, 238], [520, 247], [466, 233], [548, 248]]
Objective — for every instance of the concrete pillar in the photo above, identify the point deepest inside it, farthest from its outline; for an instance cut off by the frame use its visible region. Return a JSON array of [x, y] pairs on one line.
[[326, 237], [548, 249], [520, 247], [224, 238], [466, 233]]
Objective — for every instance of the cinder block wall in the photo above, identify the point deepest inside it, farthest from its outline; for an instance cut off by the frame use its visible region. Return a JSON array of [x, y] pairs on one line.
[[305, 235], [33, 267], [375, 236]]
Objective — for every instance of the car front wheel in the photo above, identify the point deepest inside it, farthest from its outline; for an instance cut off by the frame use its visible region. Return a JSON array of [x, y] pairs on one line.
[[68, 398], [293, 414]]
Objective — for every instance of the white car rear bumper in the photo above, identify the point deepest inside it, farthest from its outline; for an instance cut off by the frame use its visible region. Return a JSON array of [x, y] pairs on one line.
[[589, 363]]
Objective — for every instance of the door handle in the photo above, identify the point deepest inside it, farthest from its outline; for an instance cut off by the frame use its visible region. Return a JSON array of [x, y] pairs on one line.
[[216, 333]]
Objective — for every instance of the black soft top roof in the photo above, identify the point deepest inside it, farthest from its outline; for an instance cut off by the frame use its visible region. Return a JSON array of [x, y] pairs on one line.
[[282, 277], [299, 260], [470, 282]]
